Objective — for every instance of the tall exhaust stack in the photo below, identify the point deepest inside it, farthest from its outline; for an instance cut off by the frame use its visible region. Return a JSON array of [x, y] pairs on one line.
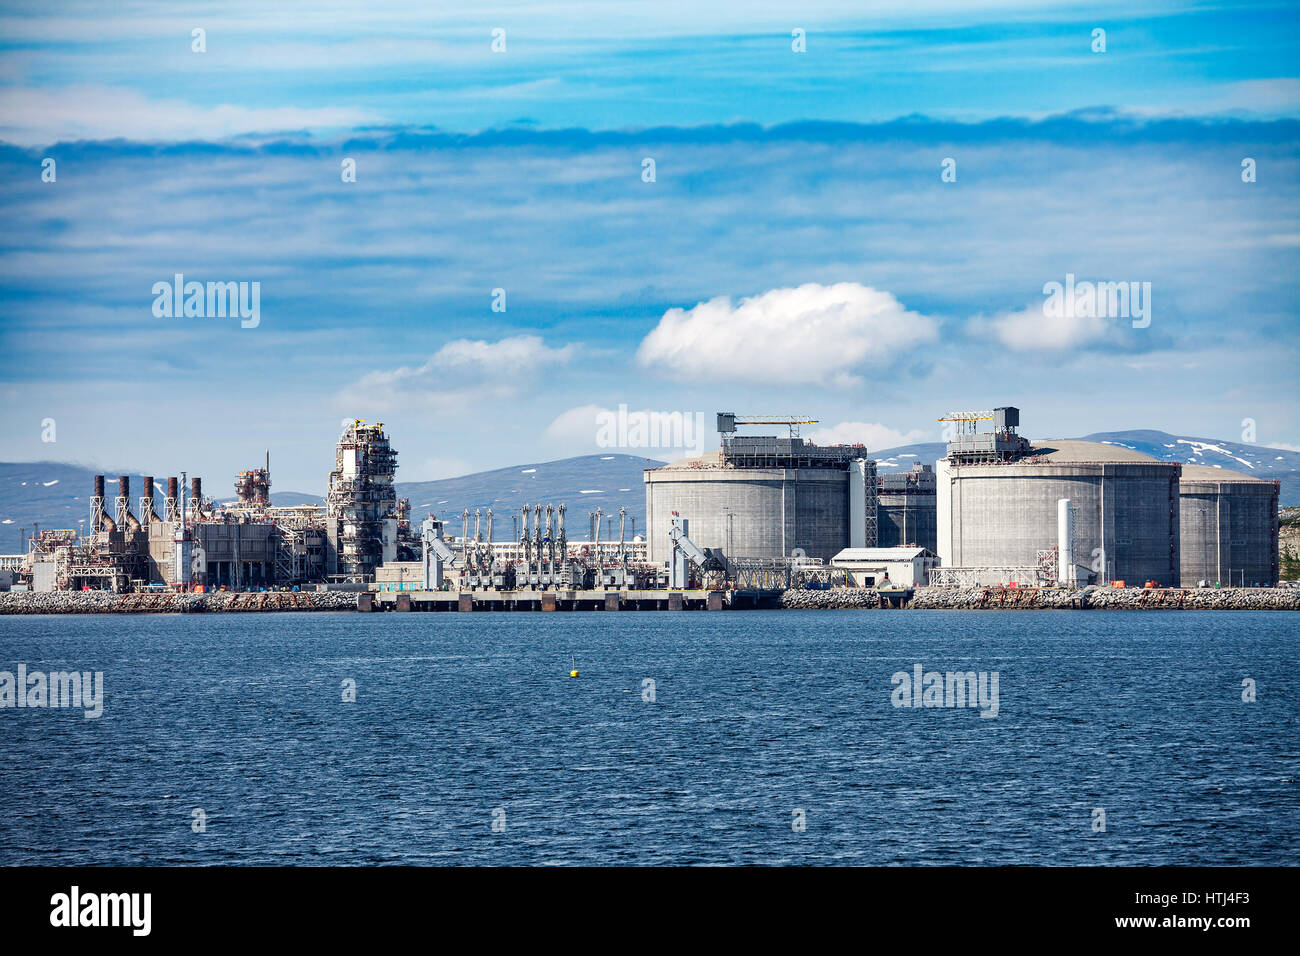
[[148, 513], [196, 497], [125, 519], [171, 504], [182, 571], [99, 518]]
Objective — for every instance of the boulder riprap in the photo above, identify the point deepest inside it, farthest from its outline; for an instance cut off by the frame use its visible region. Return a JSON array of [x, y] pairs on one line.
[[105, 602], [1088, 598]]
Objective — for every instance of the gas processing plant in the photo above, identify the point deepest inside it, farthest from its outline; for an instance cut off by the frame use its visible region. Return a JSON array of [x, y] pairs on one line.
[[763, 513], [187, 541]]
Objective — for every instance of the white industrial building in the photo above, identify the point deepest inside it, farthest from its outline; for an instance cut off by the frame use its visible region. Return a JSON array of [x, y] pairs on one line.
[[872, 567]]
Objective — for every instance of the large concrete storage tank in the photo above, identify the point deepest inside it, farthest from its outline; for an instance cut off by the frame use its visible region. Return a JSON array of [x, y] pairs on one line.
[[752, 510], [907, 513], [1001, 514], [1228, 528]]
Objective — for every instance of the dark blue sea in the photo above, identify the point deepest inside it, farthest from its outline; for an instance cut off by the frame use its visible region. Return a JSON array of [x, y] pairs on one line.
[[772, 738]]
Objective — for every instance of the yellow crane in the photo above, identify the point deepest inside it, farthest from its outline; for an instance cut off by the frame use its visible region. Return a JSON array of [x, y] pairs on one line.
[[727, 422]]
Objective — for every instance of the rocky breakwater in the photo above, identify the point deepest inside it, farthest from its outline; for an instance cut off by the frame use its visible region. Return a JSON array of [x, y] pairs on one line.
[[832, 598], [1197, 599], [971, 599], [105, 602], [1077, 599]]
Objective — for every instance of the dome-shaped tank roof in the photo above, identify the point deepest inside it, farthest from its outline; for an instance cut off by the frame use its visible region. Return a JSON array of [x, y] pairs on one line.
[[1223, 475], [710, 459], [1064, 450]]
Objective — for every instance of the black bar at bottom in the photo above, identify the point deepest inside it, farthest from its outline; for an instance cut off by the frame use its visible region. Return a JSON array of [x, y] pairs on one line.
[[946, 906]]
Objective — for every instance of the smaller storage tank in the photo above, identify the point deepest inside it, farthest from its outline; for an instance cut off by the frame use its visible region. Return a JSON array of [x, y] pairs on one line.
[[1228, 528], [907, 509]]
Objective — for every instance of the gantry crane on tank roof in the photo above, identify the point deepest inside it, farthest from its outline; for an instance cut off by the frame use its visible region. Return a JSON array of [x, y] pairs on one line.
[[729, 421], [965, 421]]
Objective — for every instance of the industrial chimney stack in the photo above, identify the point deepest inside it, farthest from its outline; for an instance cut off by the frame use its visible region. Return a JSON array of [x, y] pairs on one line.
[[148, 512], [125, 519], [99, 518]]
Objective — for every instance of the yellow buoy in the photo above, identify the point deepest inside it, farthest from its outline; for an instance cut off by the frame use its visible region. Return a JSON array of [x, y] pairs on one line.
[[573, 673]]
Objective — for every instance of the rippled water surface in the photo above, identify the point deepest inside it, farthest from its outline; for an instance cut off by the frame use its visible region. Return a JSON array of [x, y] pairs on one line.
[[463, 719]]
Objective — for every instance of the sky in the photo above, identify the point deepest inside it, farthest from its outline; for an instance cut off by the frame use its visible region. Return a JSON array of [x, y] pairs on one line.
[[662, 206]]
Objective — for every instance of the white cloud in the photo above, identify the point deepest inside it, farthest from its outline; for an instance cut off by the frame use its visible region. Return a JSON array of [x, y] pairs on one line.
[[460, 375], [1031, 331], [635, 431], [40, 117], [809, 334], [872, 434], [576, 427]]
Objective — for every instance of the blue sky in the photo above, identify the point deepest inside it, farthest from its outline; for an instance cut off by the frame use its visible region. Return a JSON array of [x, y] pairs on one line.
[[779, 176]]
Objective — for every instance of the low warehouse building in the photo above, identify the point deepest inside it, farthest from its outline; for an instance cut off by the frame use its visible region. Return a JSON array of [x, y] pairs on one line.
[[403, 576], [872, 567]]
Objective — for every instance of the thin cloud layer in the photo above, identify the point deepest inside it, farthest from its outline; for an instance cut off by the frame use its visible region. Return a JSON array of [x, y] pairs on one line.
[[377, 275], [460, 376], [37, 116], [633, 64], [872, 434]]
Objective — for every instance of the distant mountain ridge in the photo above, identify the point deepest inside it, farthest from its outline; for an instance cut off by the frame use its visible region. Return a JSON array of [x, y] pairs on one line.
[[583, 484], [57, 494]]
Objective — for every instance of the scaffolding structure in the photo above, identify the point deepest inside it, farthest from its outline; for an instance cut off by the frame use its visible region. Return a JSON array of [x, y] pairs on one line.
[[980, 576], [291, 555], [1049, 561], [781, 574]]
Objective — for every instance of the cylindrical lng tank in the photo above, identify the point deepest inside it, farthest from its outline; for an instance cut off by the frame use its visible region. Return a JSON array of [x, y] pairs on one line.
[[1125, 507], [1228, 525], [906, 509], [749, 512]]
